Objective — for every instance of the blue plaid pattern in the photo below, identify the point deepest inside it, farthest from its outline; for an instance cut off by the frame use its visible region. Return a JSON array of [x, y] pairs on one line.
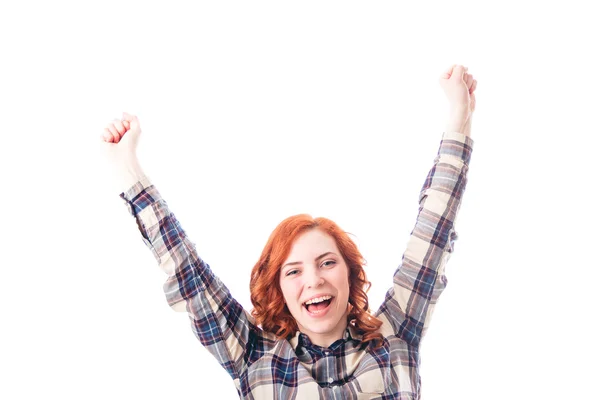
[[263, 367]]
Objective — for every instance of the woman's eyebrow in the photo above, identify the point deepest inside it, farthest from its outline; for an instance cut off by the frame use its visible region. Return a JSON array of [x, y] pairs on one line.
[[300, 262]]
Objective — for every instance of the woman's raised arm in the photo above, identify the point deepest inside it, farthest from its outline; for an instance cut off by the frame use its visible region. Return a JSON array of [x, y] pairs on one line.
[[218, 320], [420, 278]]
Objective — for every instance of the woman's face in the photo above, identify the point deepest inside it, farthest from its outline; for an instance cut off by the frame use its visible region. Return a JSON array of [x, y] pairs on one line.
[[315, 271]]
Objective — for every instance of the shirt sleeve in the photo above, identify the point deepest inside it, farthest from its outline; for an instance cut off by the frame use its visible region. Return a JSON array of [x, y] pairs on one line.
[[420, 279], [219, 322]]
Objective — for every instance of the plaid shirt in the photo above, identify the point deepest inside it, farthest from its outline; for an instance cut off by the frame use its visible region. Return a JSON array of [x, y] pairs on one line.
[[263, 367]]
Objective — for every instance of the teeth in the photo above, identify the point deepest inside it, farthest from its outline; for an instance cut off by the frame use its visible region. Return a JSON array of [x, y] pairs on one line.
[[317, 300]]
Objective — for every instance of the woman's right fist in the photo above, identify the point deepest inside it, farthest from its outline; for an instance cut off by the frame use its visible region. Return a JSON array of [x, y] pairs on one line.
[[121, 137], [115, 130], [119, 144]]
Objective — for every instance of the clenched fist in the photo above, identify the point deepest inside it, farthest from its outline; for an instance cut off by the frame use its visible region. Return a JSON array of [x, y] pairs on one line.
[[123, 133], [119, 142], [459, 87]]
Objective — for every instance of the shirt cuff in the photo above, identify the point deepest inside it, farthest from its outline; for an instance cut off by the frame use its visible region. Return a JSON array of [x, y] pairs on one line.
[[136, 198], [456, 144]]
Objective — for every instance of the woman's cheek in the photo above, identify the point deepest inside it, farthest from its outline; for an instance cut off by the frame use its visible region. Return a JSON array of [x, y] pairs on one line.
[[291, 291], [297, 288]]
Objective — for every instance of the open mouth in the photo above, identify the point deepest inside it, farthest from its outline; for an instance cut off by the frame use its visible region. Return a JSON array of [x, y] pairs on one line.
[[319, 305]]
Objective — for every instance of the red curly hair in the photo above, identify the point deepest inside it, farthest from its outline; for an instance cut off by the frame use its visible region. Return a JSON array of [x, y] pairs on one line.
[[270, 309]]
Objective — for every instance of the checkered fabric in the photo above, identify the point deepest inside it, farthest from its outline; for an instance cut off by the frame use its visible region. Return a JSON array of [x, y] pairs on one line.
[[263, 367]]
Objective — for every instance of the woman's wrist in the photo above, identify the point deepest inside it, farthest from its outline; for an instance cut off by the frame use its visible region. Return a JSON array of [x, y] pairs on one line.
[[130, 174], [459, 121], [467, 130]]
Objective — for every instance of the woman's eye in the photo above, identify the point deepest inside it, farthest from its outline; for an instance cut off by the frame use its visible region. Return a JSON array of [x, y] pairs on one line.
[[328, 263], [292, 272]]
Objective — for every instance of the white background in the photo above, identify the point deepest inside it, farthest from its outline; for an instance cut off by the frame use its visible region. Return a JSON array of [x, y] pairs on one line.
[[254, 111]]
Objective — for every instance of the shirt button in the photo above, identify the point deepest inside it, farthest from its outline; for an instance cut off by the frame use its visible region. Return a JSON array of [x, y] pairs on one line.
[[330, 380]]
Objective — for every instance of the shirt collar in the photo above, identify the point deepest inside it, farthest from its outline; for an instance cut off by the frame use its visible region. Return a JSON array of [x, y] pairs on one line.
[[302, 340]]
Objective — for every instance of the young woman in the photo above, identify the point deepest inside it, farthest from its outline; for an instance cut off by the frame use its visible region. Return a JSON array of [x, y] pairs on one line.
[[311, 334]]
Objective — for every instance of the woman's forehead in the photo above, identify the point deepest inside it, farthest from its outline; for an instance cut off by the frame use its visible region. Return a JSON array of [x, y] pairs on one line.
[[312, 244]]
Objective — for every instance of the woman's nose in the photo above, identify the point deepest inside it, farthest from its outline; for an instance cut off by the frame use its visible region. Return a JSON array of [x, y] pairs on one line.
[[314, 280]]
